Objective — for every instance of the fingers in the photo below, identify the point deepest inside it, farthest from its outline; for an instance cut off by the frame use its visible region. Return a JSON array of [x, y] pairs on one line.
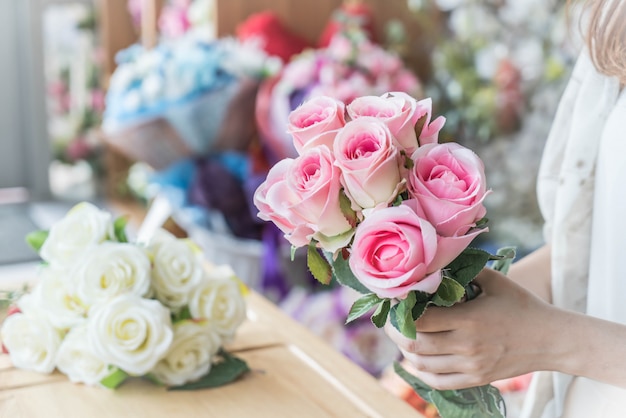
[[447, 381], [424, 344], [489, 279]]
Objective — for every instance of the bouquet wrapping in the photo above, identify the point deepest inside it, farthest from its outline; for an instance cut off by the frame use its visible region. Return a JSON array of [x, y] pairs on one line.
[[192, 86], [385, 209], [105, 309]]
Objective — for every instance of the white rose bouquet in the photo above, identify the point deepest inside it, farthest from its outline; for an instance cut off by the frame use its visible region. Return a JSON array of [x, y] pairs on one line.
[[105, 309]]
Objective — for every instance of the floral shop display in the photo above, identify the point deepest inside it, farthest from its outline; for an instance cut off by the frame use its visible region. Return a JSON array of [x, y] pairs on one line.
[[499, 69], [105, 309], [178, 99], [385, 209]]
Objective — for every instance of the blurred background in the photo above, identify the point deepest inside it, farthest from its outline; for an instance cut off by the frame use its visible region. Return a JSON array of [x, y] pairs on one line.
[[181, 106]]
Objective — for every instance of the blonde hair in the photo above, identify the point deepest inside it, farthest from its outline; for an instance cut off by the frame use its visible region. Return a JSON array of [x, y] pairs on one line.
[[606, 36]]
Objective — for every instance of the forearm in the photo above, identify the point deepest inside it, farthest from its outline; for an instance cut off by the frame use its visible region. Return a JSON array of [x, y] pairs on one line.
[[534, 272], [589, 347]]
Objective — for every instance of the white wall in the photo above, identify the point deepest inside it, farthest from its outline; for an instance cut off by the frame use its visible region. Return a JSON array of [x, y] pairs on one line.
[[24, 145]]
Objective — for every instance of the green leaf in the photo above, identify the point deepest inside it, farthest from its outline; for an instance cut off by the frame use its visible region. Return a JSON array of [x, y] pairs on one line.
[[481, 223], [183, 315], [418, 310], [448, 293], [419, 126], [222, 373], [293, 252], [119, 229], [467, 265], [421, 296], [36, 239], [404, 316], [318, 266], [343, 274], [502, 264], [116, 378], [346, 208], [418, 386], [408, 162], [362, 306], [478, 402], [483, 401], [379, 318]]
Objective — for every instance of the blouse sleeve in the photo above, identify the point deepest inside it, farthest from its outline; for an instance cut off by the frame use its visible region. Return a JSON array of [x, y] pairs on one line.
[[607, 270]]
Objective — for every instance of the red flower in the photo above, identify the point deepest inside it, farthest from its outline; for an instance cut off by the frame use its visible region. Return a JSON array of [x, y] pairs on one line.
[[276, 38]]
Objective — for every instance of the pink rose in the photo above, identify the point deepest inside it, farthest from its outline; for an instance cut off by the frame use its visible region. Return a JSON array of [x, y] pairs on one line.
[[316, 123], [369, 162], [430, 130], [448, 181], [315, 181], [397, 110], [301, 197], [448, 247], [392, 253], [274, 199]]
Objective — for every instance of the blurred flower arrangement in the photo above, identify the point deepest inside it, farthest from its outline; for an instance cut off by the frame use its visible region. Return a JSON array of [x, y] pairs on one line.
[[179, 17], [490, 60], [75, 97], [350, 66], [148, 82], [499, 69], [105, 309], [191, 85]]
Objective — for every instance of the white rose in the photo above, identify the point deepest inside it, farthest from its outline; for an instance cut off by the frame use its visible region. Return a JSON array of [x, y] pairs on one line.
[[109, 270], [82, 227], [130, 332], [219, 300], [77, 360], [190, 355], [53, 298], [32, 342], [177, 270]]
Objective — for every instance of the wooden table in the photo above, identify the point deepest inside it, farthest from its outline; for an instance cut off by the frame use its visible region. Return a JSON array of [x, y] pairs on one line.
[[294, 374]]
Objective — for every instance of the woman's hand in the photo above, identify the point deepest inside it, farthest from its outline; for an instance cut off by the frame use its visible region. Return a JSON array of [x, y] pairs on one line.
[[504, 332]]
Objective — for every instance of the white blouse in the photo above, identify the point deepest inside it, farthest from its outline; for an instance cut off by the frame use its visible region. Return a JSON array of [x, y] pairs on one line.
[[582, 195]]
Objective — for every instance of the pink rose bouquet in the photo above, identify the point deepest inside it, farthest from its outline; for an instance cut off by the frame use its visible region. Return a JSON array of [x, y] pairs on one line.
[[388, 211]]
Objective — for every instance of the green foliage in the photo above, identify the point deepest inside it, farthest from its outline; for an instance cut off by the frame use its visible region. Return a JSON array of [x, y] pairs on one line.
[[183, 315], [116, 378], [226, 371], [467, 265], [36, 239], [379, 318], [502, 264], [343, 274], [318, 266], [448, 293], [404, 316], [119, 229], [362, 306], [346, 209], [478, 402]]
